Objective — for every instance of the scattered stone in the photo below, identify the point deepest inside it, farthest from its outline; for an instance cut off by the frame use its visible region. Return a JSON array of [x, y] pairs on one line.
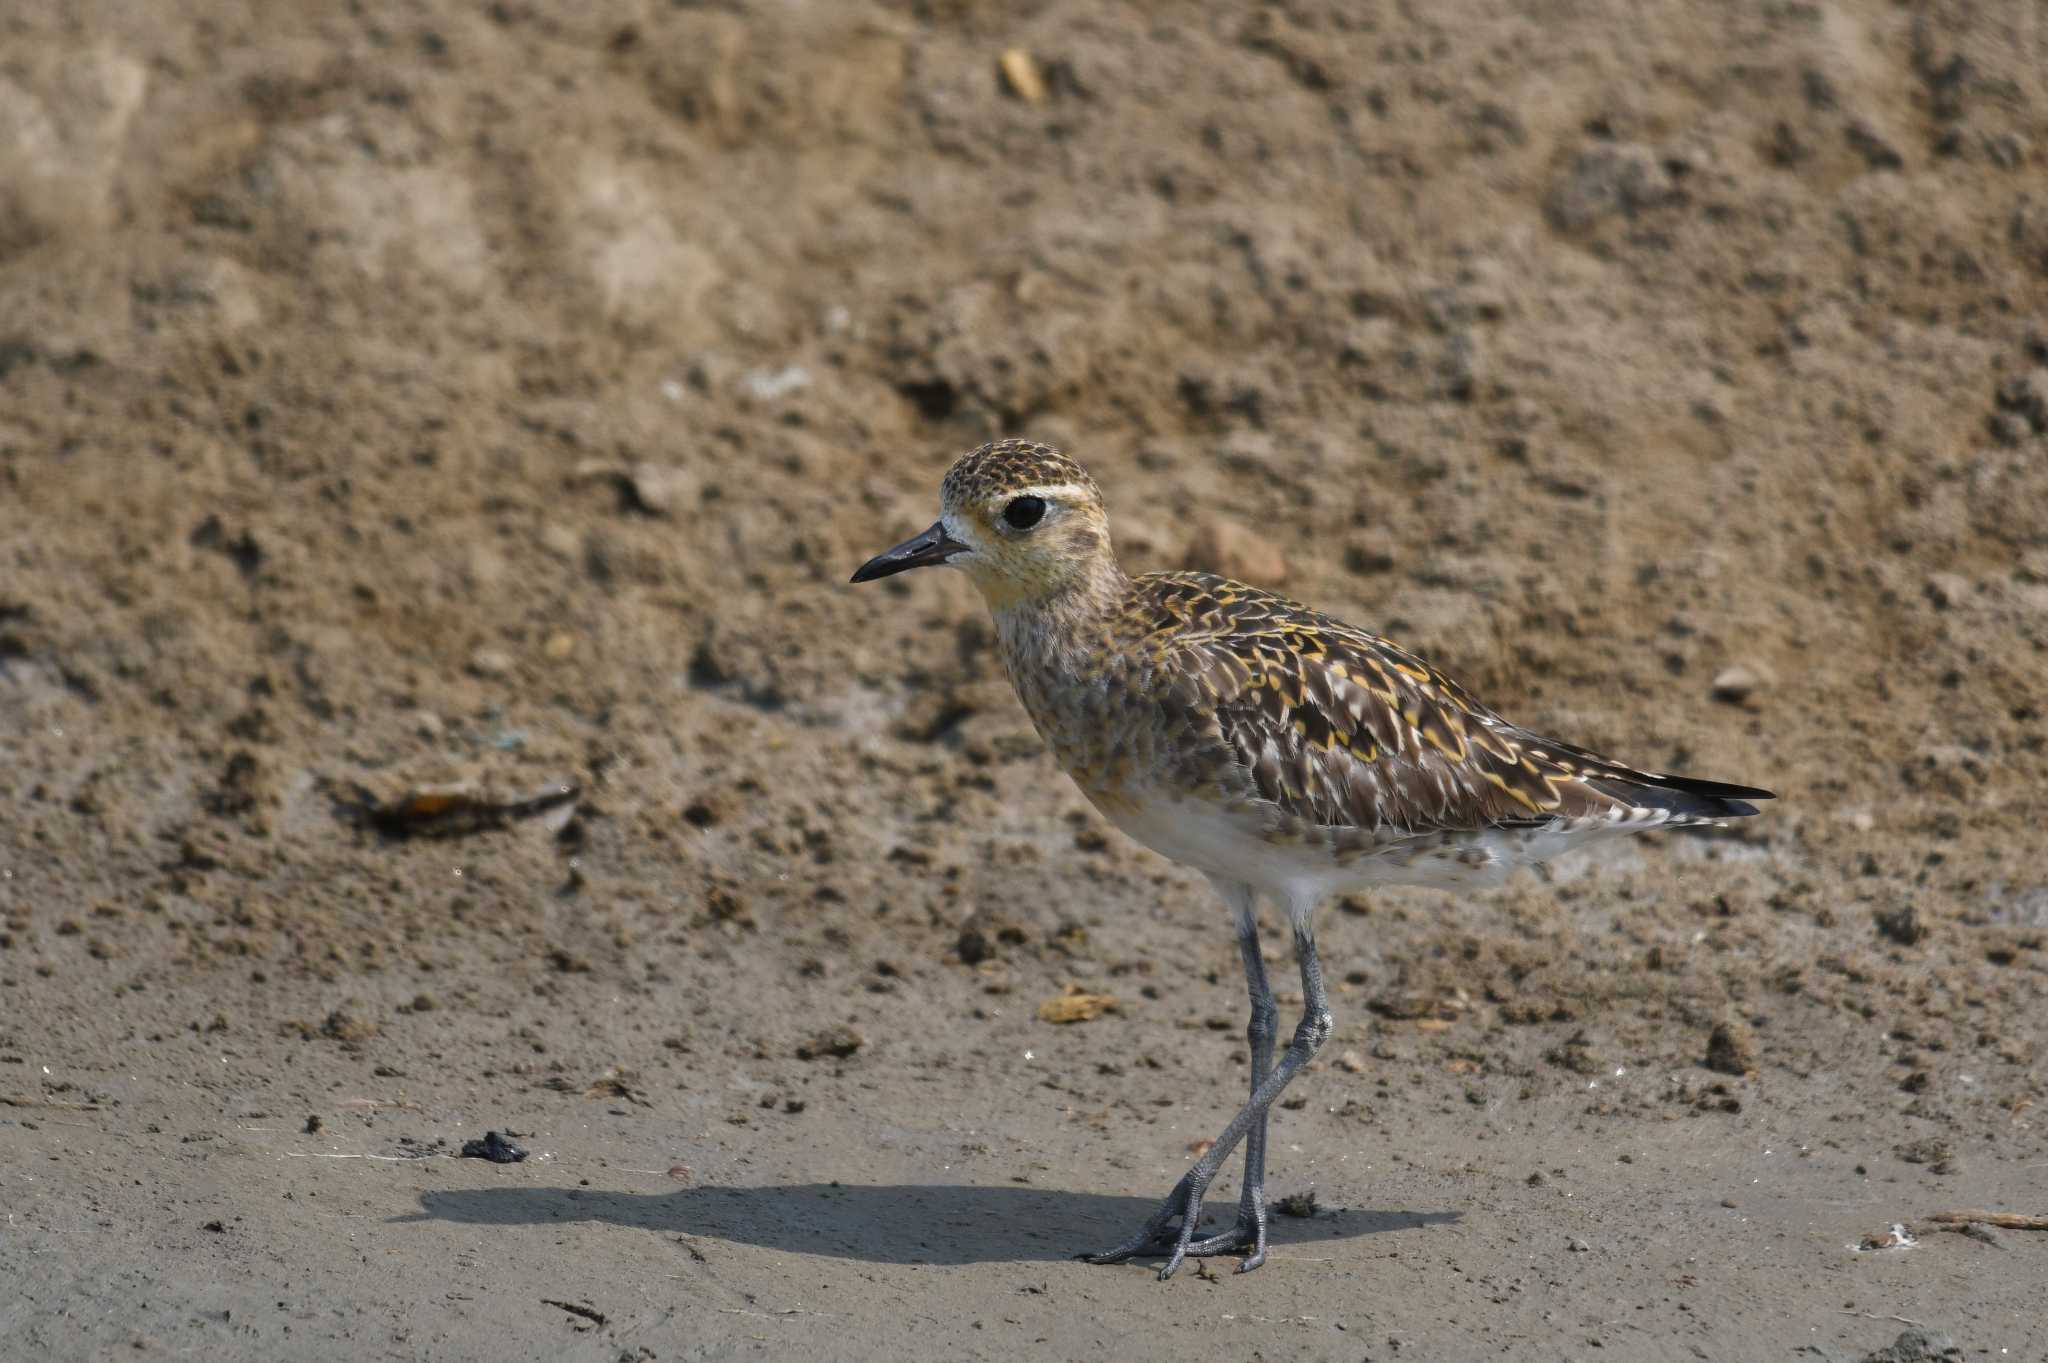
[[1915, 1346], [1868, 143], [313, 1124], [1575, 1053], [1619, 180], [347, 1028], [490, 662], [1367, 561], [655, 489], [1731, 1049], [2025, 397], [836, 1042], [1983, 1234], [974, 946], [1740, 683], [66, 115], [1351, 1062], [1935, 1151], [1901, 925], [494, 1147], [770, 384], [1946, 591], [1576, 1245]]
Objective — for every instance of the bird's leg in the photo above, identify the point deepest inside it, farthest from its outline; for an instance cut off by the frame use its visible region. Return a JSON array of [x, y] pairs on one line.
[[1185, 1201], [1250, 1231]]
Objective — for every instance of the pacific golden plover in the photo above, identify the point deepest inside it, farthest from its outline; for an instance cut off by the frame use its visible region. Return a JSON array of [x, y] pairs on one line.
[[1276, 750]]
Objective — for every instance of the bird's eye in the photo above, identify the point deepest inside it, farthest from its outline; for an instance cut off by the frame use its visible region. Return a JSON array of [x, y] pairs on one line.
[[1024, 512]]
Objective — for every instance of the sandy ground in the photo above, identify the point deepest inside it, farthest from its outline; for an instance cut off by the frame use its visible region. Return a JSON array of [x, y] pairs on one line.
[[403, 394]]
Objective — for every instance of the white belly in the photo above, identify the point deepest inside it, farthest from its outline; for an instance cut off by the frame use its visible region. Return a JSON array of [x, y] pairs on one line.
[[1231, 845]]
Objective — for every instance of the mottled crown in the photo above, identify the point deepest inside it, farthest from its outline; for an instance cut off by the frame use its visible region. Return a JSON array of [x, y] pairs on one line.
[[1008, 465]]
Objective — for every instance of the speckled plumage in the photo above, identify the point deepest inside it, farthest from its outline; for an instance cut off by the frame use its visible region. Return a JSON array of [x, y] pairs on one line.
[[1277, 750], [1315, 734], [1303, 731]]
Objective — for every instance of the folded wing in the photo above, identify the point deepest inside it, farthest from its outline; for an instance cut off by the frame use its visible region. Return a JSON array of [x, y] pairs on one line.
[[1342, 729]]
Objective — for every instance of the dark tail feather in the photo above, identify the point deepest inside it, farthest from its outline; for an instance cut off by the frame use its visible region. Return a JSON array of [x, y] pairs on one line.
[[1687, 795]]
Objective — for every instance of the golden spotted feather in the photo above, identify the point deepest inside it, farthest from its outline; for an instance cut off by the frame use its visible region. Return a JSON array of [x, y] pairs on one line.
[[1341, 730]]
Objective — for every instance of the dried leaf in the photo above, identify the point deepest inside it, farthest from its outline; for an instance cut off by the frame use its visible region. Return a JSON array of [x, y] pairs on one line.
[[1075, 1005]]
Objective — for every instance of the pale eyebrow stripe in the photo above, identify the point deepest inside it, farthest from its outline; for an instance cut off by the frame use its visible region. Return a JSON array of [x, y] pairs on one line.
[[1049, 491]]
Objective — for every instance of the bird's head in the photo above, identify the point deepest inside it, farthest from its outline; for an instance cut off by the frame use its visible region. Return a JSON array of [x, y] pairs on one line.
[[1023, 521]]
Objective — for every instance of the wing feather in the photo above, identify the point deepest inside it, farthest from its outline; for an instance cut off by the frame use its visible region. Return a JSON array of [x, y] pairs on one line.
[[1343, 730]]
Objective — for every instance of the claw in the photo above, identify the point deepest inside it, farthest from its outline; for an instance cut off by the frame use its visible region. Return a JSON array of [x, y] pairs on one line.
[[1159, 1236]]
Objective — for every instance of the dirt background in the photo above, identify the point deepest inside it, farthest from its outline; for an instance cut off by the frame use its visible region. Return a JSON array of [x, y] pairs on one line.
[[398, 394]]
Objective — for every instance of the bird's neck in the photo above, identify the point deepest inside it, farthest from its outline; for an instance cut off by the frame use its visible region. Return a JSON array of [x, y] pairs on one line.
[[1063, 625]]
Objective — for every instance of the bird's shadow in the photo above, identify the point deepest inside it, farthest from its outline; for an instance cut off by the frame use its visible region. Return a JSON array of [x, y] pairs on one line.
[[882, 1224]]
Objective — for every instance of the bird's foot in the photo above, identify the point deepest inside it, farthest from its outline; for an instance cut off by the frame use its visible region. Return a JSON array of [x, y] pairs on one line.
[[1247, 1237], [1161, 1236]]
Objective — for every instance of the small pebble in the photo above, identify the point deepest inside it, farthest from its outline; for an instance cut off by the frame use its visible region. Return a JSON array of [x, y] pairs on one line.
[[1740, 683], [490, 662], [494, 1148]]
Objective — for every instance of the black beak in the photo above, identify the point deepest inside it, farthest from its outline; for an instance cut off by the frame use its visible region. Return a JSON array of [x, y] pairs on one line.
[[933, 546]]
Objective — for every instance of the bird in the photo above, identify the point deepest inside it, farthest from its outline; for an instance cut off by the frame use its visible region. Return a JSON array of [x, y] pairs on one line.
[[1285, 755]]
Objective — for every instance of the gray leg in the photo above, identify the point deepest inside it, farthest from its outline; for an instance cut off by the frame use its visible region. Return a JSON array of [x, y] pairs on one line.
[[1249, 1234], [1185, 1201]]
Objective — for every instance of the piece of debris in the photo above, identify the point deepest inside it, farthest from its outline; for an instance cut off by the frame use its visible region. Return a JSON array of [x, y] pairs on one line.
[[495, 1148], [2002, 1220], [1075, 1004], [1020, 74], [313, 1124], [1301, 1204], [617, 1083], [1897, 1237], [453, 810], [595, 1317], [680, 1173]]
